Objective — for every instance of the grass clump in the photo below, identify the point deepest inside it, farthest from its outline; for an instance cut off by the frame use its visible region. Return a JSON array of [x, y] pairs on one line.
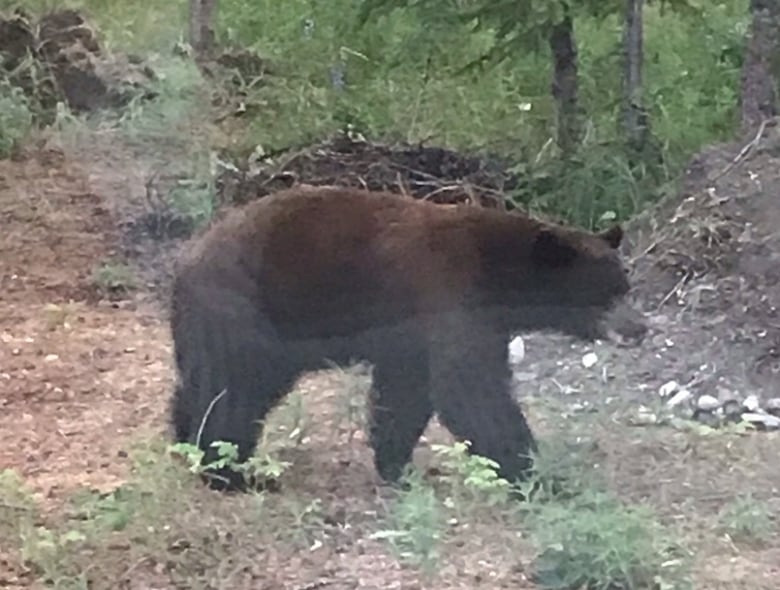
[[414, 523], [179, 94], [586, 540], [113, 277], [747, 519], [17, 505], [16, 119], [596, 542]]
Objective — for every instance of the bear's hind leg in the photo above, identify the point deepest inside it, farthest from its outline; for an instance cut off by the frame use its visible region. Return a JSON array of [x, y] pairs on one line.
[[233, 371]]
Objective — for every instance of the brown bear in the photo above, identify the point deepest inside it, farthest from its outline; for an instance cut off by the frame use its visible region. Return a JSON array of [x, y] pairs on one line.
[[429, 294]]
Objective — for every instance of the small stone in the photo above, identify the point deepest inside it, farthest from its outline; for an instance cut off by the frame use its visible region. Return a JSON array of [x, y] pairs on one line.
[[644, 417], [751, 403], [668, 388], [681, 396], [49, 358], [763, 421], [516, 351], [589, 360], [708, 403], [686, 412]]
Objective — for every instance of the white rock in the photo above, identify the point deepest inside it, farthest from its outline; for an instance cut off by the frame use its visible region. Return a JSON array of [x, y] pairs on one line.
[[516, 350], [708, 403], [589, 360], [681, 396], [767, 420], [644, 417], [668, 388], [751, 403]]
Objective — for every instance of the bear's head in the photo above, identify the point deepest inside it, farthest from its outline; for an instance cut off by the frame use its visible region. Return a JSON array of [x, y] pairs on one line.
[[548, 277]]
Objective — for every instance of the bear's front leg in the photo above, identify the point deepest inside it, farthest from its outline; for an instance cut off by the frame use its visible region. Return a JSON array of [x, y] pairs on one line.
[[471, 393]]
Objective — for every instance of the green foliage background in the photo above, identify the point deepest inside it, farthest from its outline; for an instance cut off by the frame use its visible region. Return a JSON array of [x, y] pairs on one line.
[[404, 80]]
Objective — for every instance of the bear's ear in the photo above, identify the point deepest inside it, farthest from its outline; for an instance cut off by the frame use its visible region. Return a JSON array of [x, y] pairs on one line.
[[613, 236], [552, 250]]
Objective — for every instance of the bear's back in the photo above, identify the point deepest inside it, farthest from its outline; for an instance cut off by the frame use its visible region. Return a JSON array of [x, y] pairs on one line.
[[342, 260]]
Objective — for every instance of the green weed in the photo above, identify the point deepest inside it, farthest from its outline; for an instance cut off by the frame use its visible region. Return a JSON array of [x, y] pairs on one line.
[[114, 277], [179, 90], [473, 479], [16, 119], [414, 523], [747, 519], [594, 541]]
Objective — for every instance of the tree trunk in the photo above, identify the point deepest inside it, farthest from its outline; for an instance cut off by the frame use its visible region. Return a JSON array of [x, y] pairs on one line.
[[565, 83], [635, 118], [202, 17], [758, 90]]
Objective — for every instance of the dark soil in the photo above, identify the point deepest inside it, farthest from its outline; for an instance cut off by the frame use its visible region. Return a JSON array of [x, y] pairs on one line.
[[425, 172], [59, 58]]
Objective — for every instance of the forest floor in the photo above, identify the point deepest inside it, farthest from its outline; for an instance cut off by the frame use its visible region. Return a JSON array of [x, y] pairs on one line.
[[89, 498]]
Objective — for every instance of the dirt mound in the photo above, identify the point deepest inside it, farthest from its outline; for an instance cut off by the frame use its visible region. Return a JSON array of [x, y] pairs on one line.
[[717, 253], [706, 265], [433, 173], [59, 59]]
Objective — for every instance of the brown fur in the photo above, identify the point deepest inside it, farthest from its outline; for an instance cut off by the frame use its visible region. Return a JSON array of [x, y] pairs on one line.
[[430, 294]]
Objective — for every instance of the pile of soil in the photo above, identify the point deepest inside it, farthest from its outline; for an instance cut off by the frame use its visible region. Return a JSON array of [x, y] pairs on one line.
[[705, 265], [709, 260], [58, 58], [425, 172]]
